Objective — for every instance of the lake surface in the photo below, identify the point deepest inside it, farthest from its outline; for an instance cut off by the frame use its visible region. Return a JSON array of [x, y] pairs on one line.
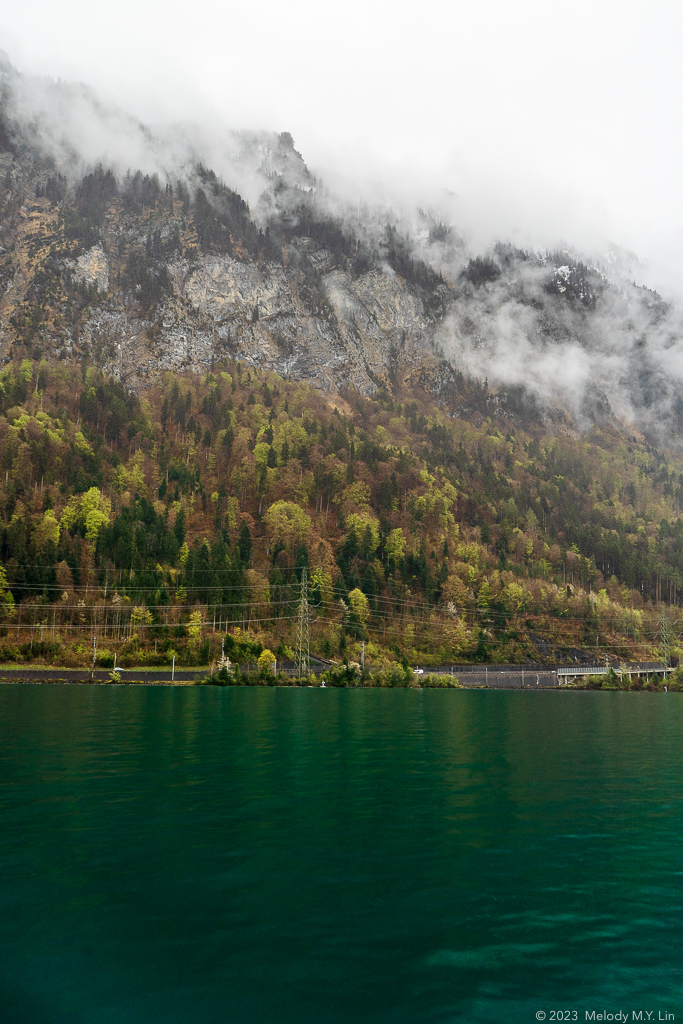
[[195, 856]]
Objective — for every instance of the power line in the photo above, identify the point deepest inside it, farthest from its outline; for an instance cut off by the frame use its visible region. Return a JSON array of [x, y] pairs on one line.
[[468, 618], [136, 625]]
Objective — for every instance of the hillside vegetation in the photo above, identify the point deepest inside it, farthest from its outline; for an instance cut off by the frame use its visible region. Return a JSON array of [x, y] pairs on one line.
[[167, 522]]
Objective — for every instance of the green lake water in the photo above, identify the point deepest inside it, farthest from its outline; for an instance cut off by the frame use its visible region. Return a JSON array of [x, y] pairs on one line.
[[196, 856]]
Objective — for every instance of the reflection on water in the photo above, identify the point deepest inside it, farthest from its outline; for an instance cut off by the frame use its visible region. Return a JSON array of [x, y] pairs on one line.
[[200, 855]]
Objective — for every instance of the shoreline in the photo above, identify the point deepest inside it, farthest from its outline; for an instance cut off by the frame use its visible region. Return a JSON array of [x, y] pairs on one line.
[[648, 676], [34, 681]]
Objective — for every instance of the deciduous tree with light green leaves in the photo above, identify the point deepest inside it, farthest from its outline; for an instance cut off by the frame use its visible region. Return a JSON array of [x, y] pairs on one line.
[[141, 616], [194, 630], [395, 546], [91, 509], [363, 525], [5, 595], [516, 597], [266, 661], [359, 605], [95, 510], [47, 531], [287, 523]]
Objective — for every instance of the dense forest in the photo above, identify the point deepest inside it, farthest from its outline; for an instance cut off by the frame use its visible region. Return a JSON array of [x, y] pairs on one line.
[[167, 523]]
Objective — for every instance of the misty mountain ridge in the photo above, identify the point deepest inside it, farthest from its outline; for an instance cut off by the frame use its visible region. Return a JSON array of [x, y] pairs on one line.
[[151, 251]]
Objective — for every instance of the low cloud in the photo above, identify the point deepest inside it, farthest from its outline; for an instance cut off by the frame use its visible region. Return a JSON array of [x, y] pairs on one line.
[[614, 349], [573, 339]]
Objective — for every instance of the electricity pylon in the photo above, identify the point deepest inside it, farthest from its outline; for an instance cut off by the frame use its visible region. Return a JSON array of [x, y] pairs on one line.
[[303, 630]]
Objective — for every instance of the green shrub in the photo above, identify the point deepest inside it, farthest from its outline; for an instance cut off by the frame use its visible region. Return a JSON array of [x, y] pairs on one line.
[[440, 682]]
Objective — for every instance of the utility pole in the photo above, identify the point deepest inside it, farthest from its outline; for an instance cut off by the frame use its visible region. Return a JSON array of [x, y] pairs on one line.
[[94, 655], [362, 655], [303, 631], [667, 636]]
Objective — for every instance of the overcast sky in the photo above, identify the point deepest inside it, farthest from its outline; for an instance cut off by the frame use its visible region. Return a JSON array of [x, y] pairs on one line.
[[550, 121]]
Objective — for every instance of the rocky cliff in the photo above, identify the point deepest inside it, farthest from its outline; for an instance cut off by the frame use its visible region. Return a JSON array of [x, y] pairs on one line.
[[168, 267], [143, 290]]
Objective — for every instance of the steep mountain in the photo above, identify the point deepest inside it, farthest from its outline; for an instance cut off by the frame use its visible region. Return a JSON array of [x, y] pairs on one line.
[[217, 374], [145, 274], [167, 266]]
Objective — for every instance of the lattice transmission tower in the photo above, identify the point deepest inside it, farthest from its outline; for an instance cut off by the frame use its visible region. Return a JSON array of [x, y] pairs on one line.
[[303, 630]]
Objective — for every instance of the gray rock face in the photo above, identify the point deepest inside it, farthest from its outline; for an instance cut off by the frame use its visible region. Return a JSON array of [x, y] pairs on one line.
[[93, 268], [224, 288], [222, 306]]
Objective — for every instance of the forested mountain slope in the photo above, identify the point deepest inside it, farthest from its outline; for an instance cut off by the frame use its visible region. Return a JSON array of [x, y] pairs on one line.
[[474, 455], [436, 533]]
